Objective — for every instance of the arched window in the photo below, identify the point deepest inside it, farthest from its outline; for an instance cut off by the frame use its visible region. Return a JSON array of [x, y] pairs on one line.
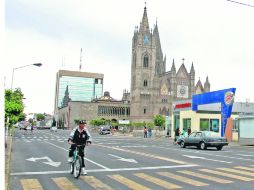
[[145, 82], [146, 60]]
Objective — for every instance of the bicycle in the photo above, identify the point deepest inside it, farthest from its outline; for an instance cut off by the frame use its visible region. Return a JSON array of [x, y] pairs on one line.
[[76, 164]]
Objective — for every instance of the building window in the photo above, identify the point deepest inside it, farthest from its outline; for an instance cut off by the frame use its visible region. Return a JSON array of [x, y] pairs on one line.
[[145, 111], [214, 125], [186, 124], [204, 125], [235, 125], [145, 63], [145, 82]]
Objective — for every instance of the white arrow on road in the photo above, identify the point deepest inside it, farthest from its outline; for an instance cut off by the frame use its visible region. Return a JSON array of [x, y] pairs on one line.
[[124, 159], [49, 162], [203, 158]]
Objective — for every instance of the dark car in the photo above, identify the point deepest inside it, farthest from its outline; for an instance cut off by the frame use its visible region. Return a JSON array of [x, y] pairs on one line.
[[104, 130], [203, 139]]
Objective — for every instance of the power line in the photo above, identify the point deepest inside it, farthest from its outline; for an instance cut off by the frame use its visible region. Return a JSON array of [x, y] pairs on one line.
[[240, 3]]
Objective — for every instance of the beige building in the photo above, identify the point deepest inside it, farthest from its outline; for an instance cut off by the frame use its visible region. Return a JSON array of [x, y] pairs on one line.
[[208, 118]]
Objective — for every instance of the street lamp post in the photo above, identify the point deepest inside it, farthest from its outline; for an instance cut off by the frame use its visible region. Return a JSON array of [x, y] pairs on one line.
[[35, 64]]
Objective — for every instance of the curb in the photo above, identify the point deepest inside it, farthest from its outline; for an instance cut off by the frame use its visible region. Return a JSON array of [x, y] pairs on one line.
[[8, 151]]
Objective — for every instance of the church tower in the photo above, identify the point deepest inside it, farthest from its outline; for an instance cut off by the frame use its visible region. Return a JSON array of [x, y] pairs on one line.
[[147, 62]]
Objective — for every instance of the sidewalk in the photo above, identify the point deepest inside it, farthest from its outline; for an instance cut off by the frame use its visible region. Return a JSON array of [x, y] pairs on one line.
[[8, 151]]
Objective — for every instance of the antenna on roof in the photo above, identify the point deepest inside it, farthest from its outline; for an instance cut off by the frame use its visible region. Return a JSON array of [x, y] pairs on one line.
[[80, 66]]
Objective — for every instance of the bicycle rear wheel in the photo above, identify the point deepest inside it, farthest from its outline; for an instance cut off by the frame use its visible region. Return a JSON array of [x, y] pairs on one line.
[[71, 167], [77, 167]]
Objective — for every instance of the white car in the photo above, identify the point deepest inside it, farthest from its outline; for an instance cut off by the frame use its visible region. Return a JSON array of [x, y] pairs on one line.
[[54, 128]]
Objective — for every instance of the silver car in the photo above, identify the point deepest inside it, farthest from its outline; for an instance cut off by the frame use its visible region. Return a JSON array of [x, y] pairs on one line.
[[203, 139]]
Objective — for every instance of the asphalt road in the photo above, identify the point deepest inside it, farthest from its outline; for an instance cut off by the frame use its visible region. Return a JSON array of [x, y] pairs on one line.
[[39, 161]]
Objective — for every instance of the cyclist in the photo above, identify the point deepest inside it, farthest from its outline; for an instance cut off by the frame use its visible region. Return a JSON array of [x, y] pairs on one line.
[[79, 136]]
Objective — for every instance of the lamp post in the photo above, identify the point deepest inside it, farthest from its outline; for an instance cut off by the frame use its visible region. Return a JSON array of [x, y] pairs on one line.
[[35, 64]]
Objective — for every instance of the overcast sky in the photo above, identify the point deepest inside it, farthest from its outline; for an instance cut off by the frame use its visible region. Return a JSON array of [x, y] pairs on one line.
[[216, 35]]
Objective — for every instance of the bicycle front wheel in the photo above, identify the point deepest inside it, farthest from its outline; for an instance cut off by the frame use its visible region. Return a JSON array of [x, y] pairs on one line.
[[77, 167]]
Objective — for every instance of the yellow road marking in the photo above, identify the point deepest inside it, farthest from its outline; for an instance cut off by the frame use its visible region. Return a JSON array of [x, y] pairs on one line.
[[227, 175], [245, 168], [145, 154], [182, 179], [237, 171], [64, 184], [29, 184], [95, 183], [129, 183], [158, 181], [207, 177]]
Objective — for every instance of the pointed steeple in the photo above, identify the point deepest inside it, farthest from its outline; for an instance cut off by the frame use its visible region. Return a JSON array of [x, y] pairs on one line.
[[144, 25], [192, 68], [173, 68], [207, 85]]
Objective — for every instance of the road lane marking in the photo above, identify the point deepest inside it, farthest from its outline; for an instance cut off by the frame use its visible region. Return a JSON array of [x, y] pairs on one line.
[[245, 168], [129, 183], [237, 171], [64, 184], [183, 179], [227, 175], [207, 177], [145, 154], [84, 157], [157, 181], [104, 170], [203, 158], [29, 184], [95, 183]]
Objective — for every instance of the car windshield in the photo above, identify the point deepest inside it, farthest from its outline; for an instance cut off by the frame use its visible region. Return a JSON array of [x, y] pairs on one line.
[[211, 134]]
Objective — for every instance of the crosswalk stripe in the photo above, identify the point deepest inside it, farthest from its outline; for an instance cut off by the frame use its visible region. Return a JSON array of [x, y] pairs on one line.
[[227, 175], [207, 177], [237, 171], [129, 183], [29, 184], [95, 183], [245, 168], [182, 179], [158, 181], [64, 184]]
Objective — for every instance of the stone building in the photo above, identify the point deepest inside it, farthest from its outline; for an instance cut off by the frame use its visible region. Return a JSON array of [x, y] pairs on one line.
[[153, 89]]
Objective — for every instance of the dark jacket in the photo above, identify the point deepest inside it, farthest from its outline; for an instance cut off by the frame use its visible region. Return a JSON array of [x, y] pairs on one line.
[[80, 137]]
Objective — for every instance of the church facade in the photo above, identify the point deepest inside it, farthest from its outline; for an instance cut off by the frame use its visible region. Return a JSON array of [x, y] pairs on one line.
[[153, 89]]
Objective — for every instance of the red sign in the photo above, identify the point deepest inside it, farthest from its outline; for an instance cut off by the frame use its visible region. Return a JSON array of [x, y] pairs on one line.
[[184, 105]]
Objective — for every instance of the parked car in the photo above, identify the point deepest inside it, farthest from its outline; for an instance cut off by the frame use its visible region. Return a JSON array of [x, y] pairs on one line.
[[104, 130], [203, 139]]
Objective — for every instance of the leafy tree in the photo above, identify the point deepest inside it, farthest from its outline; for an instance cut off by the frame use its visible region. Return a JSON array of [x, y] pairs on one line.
[[159, 120], [40, 116], [14, 106]]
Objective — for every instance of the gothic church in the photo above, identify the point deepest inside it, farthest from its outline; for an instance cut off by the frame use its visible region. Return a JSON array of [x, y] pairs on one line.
[[153, 89]]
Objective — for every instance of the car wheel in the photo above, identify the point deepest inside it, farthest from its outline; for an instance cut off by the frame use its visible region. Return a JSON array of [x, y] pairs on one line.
[[182, 144], [202, 146], [219, 147]]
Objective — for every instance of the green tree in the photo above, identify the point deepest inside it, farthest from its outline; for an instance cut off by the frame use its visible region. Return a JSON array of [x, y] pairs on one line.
[[159, 120], [40, 116], [14, 106]]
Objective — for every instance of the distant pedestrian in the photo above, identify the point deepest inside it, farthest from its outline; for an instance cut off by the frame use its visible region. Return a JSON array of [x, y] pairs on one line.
[[189, 131], [177, 134], [32, 128], [145, 132], [149, 132]]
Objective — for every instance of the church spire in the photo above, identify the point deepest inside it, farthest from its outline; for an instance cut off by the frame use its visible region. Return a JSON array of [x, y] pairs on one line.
[[192, 68], [144, 25], [173, 68]]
